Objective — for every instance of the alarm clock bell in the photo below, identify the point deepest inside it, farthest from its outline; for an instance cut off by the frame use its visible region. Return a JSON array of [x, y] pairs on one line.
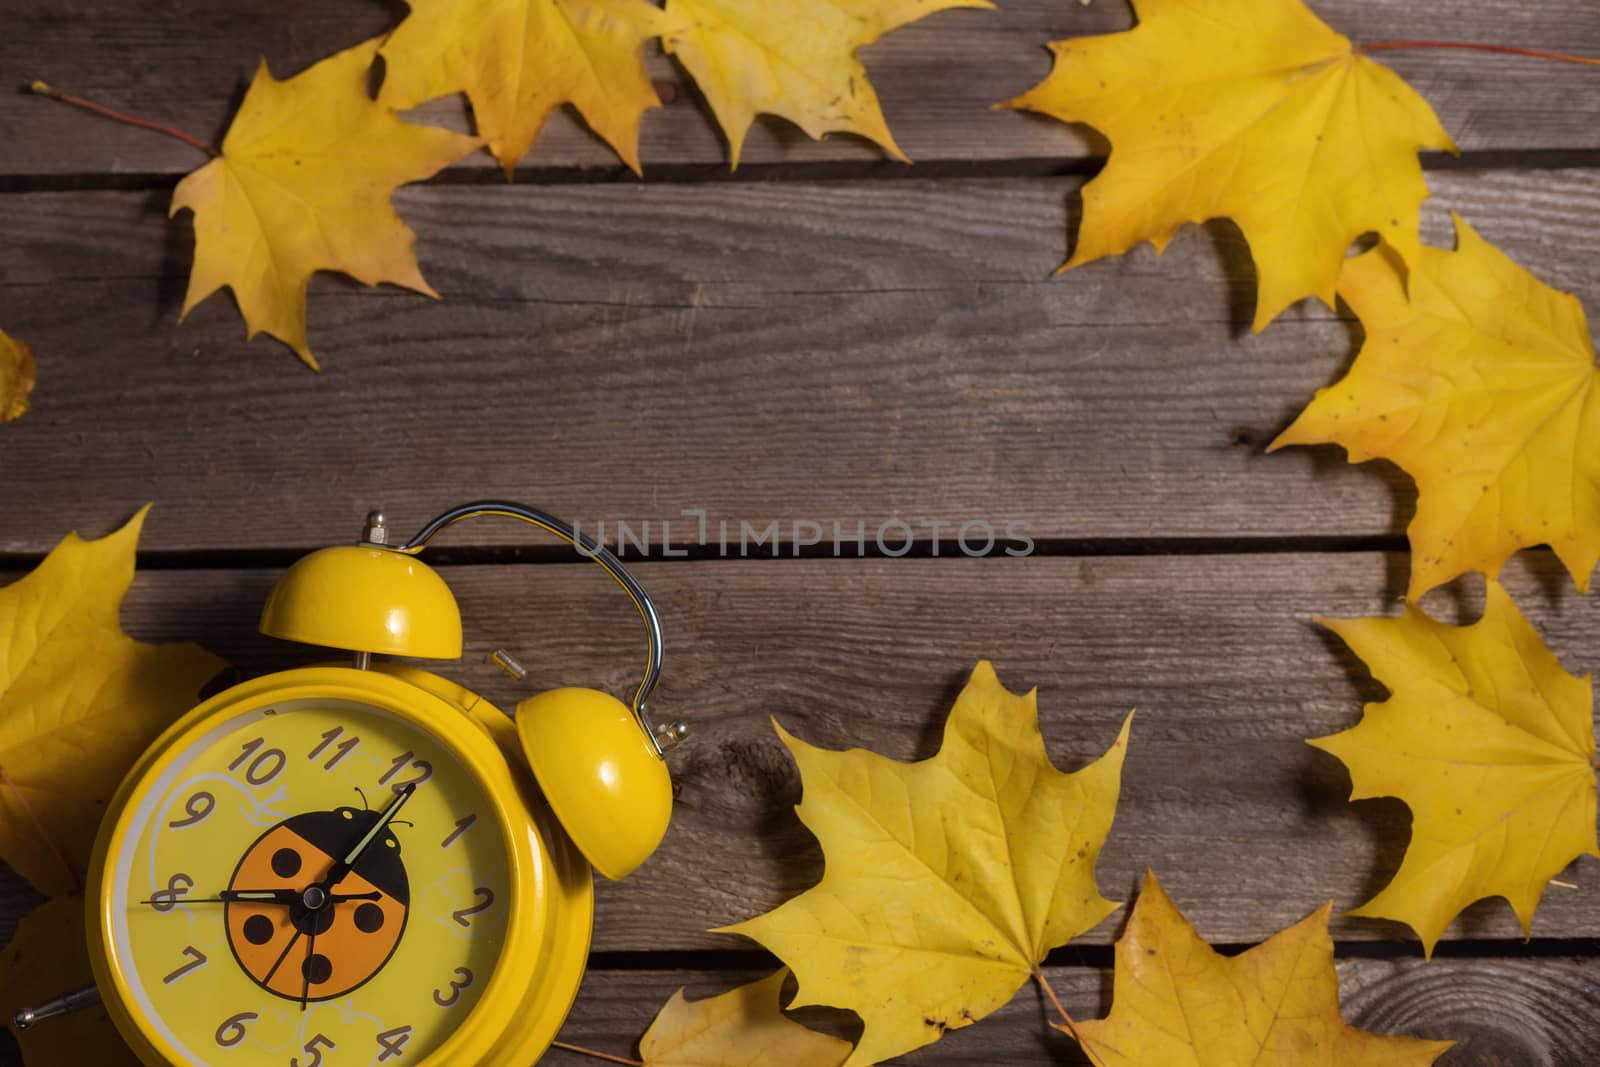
[[365, 599], [598, 762]]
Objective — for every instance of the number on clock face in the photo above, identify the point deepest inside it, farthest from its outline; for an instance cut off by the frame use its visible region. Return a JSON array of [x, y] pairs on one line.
[[270, 914]]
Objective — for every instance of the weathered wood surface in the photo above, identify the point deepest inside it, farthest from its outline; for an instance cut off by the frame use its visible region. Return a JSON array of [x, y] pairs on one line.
[[1247, 826], [1501, 1013], [783, 351], [817, 349], [186, 62]]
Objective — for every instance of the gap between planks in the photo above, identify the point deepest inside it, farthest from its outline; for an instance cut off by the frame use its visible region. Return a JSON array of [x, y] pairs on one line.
[[812, 171], [496, 555], [1102, 957]]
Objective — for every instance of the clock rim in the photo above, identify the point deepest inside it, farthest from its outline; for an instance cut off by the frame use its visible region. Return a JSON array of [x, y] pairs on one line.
[[535, 882]]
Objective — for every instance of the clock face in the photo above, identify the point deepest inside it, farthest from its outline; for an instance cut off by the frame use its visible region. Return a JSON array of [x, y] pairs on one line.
[[312, 883]]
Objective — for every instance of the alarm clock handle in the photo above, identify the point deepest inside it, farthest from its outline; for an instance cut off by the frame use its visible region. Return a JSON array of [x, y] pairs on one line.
[[661, 738]]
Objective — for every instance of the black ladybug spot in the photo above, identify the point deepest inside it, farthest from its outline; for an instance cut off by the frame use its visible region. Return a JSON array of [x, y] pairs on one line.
[[369, 918], [258, 929], [317, 969], [286, 863]]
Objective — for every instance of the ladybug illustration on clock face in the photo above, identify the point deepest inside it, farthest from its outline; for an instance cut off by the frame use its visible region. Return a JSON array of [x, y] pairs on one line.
[[259, 911], [313, 940]]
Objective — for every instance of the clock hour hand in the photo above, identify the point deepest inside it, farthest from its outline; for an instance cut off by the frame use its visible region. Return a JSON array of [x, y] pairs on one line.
[[344, 866], [230, 896], [259, 896], [286, 896]]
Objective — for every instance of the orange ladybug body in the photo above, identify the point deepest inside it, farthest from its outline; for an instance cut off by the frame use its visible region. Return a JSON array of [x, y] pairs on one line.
[[348, 944]]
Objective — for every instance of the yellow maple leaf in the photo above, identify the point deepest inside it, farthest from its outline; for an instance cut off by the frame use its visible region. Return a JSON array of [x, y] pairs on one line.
[[79, 702], [16, 377], [1489, 743], [947, 881], [1178, 1003], [793, 58], [49, 956], [302, 185], [744, 1027], [1480, 382], [1253, 110], [519, 60]]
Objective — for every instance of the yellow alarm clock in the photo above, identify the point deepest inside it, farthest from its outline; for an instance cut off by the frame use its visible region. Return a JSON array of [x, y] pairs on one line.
[[350, 865]]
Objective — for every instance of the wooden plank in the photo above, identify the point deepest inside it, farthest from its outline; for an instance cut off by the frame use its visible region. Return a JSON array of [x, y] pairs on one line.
[[854, 351], [1531, 1013], [1501, 1011], [1248, 827], [186, 62]]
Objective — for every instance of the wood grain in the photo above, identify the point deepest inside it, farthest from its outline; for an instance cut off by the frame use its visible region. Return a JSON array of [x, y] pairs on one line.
[[1248, 827], [186, 62], [817, 350], [813, 351], [1504, 1013], [1501, 1013]]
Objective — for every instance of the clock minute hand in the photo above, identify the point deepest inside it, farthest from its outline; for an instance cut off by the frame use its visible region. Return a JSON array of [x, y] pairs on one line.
[[343, 867]]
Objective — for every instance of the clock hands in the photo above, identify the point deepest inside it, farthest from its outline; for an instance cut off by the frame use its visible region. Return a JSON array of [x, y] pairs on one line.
[[287, 897], [346, 842], [342, 867], [318, 893], [262, 896]]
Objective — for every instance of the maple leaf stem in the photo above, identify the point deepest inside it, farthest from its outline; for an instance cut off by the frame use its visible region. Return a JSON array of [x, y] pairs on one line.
[[580, 1050], [1044, 984], [39, 827], [48, 90], [1467, 46]]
